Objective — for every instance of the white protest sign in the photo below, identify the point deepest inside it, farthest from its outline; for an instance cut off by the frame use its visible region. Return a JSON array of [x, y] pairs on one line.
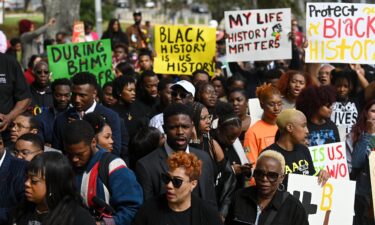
[[331, 204], [340, 32], [255, 35], [332, 158], [255, 110]]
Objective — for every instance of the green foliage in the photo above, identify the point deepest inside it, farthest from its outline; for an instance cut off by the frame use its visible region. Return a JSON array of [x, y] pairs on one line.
[[87, 10]]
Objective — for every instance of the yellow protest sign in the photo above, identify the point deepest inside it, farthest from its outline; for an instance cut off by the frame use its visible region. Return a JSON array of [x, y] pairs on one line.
[[184, 49]]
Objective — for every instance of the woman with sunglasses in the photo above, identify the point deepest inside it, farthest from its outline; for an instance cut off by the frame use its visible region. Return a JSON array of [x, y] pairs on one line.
[[50, 194], [265, 203], [41, 87], [178, 206]]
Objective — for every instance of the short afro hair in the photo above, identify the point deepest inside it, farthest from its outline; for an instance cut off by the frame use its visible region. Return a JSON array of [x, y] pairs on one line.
[[188, 161], [82, 78], [273, 155], [177, 109], [34, 139], [312, 98], [78, 131], [61, 81]]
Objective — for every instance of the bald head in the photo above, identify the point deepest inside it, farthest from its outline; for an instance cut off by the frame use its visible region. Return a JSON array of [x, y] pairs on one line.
[[289, 116]]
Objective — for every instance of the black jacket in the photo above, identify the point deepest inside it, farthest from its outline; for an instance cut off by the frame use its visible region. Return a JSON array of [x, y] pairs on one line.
[[154, 211]]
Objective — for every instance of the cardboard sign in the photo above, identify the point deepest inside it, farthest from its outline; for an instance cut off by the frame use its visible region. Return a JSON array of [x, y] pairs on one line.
[[340, 32], [184, 49], [68, 59], [78, 32], [331, 204], [255, 35], [331, 157]]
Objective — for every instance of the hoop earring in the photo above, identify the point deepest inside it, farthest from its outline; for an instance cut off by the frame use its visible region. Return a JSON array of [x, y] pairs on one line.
[[281, 187]]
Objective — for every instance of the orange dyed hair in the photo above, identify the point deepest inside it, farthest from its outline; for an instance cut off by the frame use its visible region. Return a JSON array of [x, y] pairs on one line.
[[190, 162], [266, 91], [283, 83]]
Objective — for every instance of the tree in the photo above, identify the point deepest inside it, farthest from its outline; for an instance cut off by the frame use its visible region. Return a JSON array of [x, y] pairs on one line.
[[87, 11], [65, 12]]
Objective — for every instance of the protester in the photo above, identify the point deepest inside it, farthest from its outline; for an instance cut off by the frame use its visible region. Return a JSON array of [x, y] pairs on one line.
[[103, 132], [291, 143], [200, 76], [138, 35], [90, 35], [61, 98], [12, 191], [178, 205], [237, 98], [360, 146], [178, 126], [31, 40], [124, 68], [23, 124], [83, 101], [324, 74], [29, 71], [206, 95], [220, 87], [262, 133], [145, 60], [120, 54], [316, 104], [345, 109], [115, 33], [14, 92], [50, 193], [41, 88], [15, 49], [265, 203], [112, 190], [28, 146], [165, 94], [182, 92], [147, 93], [290, 85]]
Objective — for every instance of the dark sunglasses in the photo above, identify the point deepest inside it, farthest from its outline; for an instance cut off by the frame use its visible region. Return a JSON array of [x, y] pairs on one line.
[[181, 94], [177, 182], [42, 71], [271, 176]]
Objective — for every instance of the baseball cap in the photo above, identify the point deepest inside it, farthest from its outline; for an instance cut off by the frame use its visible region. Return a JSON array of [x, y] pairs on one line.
[[186, 85]]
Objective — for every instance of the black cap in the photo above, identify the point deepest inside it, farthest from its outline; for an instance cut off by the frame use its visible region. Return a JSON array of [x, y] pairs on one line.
[[137, 13]]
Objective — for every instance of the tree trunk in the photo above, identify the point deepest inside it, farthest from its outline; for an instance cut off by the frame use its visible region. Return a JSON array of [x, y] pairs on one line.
[[65, 12]]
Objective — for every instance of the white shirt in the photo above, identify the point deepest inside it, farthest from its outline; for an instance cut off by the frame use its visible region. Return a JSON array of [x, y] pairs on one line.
[[89, 110], [157, 122], [170, 151]]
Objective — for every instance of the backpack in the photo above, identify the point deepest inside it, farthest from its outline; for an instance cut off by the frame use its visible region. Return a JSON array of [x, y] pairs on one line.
[[104, 168]]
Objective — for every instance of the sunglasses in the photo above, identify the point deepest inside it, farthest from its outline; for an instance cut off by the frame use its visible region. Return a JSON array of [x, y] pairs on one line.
[[181, 94], [42, 71], [271, 176], [177, 182]]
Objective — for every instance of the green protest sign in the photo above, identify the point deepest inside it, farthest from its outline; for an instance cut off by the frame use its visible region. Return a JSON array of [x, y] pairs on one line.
[[68, 59]]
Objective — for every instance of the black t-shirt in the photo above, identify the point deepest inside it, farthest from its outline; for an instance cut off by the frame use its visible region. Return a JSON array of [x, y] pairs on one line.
[[323, 134], [13, 86], [178, 218], [298, 161]]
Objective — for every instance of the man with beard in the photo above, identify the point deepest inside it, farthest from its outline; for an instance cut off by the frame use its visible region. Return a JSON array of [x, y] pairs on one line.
[[147, 93], [137, 34], [178, 127], [60, 89]]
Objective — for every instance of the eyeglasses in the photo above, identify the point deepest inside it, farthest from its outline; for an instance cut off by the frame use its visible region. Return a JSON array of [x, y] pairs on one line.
[[177, 182], [25, 152], [271, 176], [18, 126], [206, 117], [181, 94], [42, 71]]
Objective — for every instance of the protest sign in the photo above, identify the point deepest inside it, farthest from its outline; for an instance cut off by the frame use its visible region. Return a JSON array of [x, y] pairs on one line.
[[331, 157], [184, 49], [78, 32], [331, 204], [255, 110], [68, 59], [340, 32], [255, 35]]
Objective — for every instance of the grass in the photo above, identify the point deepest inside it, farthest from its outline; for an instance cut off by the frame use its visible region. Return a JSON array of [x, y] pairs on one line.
[[10, 25]]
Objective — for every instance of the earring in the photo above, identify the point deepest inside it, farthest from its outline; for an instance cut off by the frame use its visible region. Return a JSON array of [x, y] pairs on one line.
[[281, 187]]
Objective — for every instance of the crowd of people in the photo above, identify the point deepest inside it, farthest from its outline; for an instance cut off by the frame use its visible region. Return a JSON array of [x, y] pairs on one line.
[[151, 148]]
